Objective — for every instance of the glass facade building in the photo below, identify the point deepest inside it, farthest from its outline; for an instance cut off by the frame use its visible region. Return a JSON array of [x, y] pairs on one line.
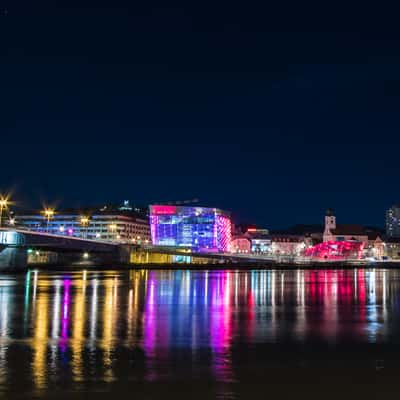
[[202, 229]]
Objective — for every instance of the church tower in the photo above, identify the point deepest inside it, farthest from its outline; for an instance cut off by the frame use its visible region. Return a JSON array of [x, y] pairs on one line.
[[330, 221]]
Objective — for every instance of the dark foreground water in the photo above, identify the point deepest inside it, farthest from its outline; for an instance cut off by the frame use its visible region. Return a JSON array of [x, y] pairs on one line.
[[198, 334]]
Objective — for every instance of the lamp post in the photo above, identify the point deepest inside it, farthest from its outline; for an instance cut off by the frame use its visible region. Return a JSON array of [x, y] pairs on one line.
[[3, 205], [85, 223], [49, 214], [113, 228]]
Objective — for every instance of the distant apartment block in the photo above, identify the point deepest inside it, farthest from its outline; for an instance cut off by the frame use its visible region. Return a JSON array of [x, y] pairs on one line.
[[393, 221]]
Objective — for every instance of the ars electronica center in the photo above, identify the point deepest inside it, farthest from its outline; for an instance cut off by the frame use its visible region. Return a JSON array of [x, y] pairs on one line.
[[199, 228]]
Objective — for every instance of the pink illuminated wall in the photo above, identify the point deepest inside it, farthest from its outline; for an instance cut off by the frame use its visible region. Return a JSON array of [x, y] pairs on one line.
[[224, 232], [334, 250]]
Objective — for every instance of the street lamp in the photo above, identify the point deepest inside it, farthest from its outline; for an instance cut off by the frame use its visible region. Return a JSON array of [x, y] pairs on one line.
[[3, 204], [112, 228], [85, 223], [48, 213]]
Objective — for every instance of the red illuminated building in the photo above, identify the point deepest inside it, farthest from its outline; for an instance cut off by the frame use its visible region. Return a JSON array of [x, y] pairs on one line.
[[336, 250]]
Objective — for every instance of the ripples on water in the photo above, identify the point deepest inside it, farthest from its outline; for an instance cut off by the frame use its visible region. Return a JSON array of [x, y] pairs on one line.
[[91, 331]]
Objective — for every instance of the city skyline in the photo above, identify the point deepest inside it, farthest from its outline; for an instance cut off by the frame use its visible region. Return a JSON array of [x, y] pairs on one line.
[[238, 217], [12, 209]]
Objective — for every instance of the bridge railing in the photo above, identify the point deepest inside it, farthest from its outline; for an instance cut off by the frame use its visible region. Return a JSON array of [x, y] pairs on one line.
[[6, 232]]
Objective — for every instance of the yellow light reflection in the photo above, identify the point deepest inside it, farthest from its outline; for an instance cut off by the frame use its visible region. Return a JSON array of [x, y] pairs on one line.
[[40, 340], [133, 310], [78, 329], [109, 316]]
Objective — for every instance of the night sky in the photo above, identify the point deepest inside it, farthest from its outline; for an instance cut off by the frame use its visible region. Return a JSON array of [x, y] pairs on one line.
[[274, 111]]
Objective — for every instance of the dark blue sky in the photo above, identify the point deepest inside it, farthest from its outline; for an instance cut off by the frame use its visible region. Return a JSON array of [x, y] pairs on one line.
[[275, 111]]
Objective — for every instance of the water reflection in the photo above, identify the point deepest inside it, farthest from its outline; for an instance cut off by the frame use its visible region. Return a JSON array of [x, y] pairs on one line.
[[155, 325]]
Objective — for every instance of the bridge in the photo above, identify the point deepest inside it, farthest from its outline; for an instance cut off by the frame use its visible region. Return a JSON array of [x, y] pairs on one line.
[[45, 241], [16, 244]]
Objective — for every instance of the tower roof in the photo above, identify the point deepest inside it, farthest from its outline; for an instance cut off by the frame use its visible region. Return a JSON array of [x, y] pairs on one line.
[[329, 212]]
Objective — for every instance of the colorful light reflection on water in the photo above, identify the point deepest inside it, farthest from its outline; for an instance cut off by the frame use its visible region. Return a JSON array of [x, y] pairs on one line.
[[146, 326]]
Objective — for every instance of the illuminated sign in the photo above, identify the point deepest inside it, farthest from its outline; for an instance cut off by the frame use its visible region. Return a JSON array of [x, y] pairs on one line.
[[163, 210]]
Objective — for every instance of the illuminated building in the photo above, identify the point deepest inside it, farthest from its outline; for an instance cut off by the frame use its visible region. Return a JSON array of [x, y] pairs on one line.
[[276, 244], [336, 250], [288, 245], [199, 228], [240, 244], [392, 248], [371, 238], [261, 244], [107, 223], [258, 231], [339, 233], [393, 221], [376, 246]]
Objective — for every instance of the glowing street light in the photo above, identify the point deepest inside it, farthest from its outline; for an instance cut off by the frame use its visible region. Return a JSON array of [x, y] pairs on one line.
[[3, 204], [84, 220], [112, 228], [49, 214], [85, 223]]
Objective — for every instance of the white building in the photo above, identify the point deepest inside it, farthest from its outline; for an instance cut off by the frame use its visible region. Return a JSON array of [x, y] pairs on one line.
[[97, 224], [337, 233]]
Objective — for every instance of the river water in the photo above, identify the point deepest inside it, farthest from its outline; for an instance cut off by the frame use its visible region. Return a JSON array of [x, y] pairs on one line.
[[200, 334]]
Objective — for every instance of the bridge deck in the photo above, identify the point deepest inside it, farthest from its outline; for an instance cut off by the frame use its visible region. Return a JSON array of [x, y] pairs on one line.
[[47, 241]]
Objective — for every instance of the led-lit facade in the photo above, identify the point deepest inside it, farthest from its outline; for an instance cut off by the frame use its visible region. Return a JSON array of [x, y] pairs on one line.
[[199, 228], [336, 250]]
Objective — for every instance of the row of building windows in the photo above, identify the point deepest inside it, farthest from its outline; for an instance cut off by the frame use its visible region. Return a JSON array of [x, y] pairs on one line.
[[108, 228]]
